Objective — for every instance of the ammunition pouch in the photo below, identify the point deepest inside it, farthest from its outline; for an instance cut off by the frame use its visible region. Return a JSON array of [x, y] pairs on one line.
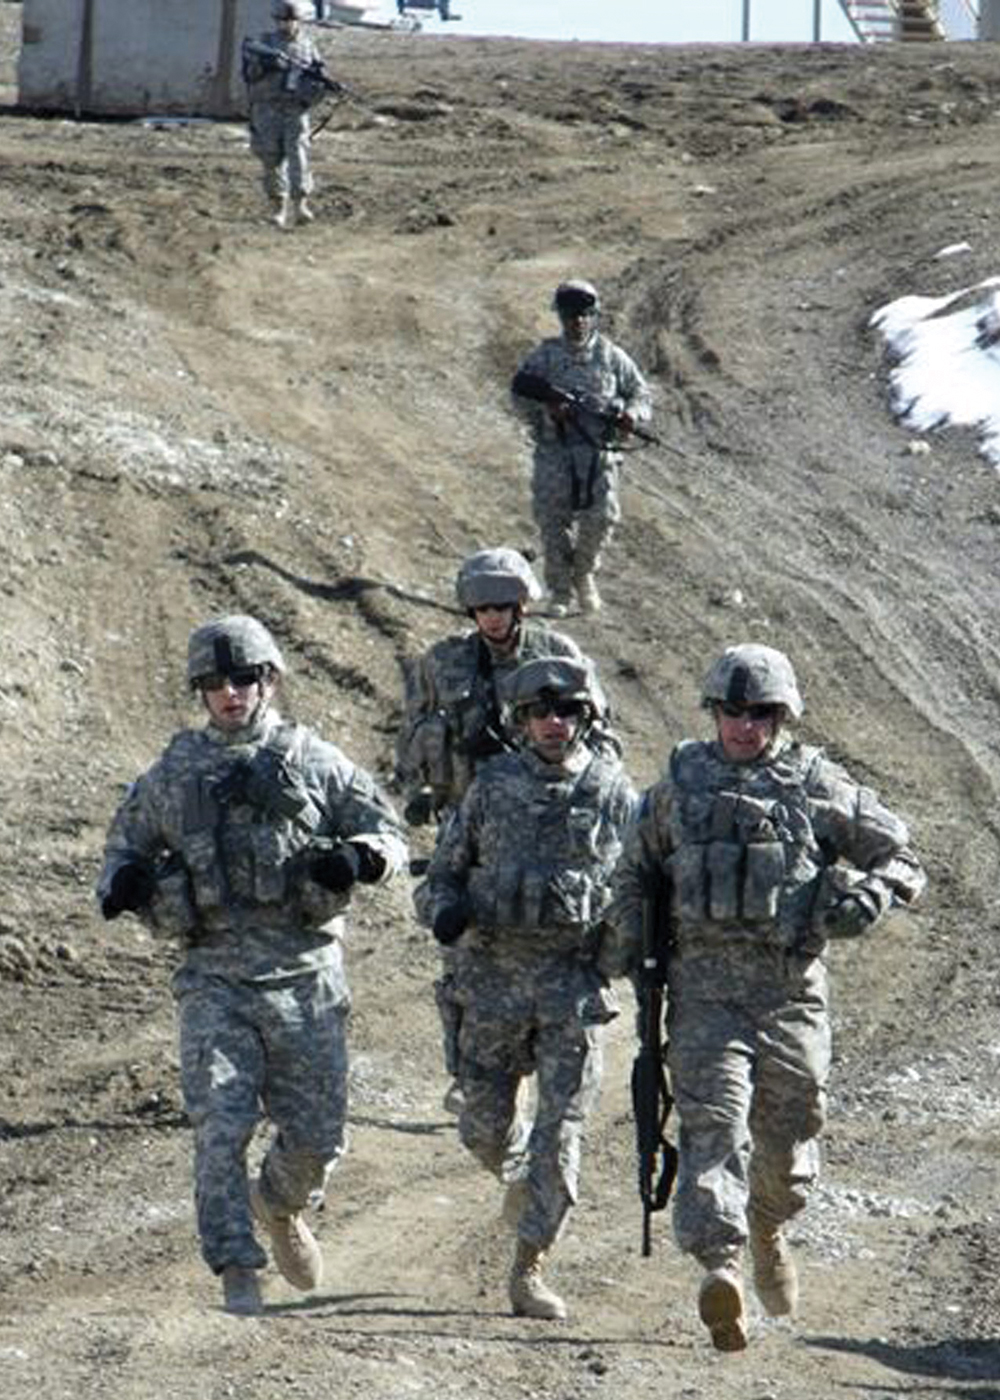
[[171, 912], [431, 754], [272, 785], [530, 896]]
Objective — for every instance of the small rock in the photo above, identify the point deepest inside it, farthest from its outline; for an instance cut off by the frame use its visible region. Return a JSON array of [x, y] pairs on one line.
[[15, 958]]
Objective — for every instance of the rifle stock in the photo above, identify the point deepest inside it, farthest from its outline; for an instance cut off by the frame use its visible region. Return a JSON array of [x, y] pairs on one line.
[[651, 1098]]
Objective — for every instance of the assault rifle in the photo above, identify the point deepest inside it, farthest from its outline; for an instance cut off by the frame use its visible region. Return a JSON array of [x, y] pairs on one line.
[[651, 1097], [275, 60], [577, 406]]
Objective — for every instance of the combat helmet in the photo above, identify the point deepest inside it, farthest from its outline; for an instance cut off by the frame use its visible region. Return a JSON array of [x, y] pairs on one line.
[[231, 643], [289, 9], [576, 296], [751, 674], [547, 678], [496, 577]]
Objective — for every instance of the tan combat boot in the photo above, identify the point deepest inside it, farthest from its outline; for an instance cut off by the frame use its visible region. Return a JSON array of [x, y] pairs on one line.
[[241, 1291], [279, 210], [529, 1295], [293, 1244], [303, 214], [590, 599], [720, 1307], [774, 1274]]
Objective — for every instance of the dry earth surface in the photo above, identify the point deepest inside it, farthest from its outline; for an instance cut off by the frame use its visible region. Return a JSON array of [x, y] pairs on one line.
[[200, 413]]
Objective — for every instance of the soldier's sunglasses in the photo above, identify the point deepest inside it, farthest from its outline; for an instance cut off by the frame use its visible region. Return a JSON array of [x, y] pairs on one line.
[[757, 713], [564, 709], [241, 679]]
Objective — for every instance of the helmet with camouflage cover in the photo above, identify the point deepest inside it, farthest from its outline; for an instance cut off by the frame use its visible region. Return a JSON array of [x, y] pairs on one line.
[[547, 678], [232, 643], [751, 674], [496, 578], [576, 296]]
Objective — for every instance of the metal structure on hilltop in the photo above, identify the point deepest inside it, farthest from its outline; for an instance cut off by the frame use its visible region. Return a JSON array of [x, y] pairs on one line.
[[908, 21], [912, 21]]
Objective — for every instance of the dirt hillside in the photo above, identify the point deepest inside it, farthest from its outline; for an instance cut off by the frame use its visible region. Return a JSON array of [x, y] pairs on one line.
[[200, 413]]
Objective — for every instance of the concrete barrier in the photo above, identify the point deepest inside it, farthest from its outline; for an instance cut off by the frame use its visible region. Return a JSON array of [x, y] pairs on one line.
[[136, 57]]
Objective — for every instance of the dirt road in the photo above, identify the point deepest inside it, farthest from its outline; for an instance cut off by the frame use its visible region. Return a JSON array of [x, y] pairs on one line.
[[200, 413]]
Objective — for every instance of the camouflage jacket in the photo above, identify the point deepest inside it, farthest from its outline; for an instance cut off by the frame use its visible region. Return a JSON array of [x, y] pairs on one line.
[[269, 83], [531, 850], [228, 823], [600, 371], [452, 714], [754, 854]]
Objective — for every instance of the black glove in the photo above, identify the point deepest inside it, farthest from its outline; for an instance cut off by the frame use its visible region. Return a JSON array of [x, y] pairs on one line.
[[420, 808], [338, 868], [132, 887], [850, 917], [371, 863], [450, 922]]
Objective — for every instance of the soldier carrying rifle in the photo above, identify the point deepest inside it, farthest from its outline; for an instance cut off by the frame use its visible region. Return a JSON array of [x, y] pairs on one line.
[[284, 75], [767, 850], [584, 397]]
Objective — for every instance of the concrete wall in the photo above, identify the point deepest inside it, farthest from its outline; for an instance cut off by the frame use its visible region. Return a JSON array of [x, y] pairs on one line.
[[136, 57]]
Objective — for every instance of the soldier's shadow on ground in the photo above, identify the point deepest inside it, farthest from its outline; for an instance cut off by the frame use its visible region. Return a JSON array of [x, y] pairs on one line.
[[958, 1359]]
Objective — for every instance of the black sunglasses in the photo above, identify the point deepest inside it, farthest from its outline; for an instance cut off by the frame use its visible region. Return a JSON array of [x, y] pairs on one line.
[[564, 709], [240, 679], [757, 713]]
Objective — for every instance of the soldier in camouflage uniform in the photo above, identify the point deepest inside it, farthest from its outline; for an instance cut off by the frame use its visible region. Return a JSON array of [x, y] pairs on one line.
[[575, 486], [517, 886], [452, 718], [244, 841], [767, 850], [280, 90]]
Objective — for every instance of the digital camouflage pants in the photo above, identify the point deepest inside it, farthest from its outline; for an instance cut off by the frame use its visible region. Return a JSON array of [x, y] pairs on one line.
[[279, 138], [575, 502], [748, 1072], [255, 1050], [506, 1035]]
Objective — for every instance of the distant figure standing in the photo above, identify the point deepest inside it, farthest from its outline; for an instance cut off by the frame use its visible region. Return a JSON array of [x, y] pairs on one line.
[[284, 75], [584, 397]]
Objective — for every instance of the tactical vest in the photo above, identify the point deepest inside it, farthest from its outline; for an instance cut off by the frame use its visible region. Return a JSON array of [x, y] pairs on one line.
[[743, 846], [547, 862], [244, 823], [449, 743]]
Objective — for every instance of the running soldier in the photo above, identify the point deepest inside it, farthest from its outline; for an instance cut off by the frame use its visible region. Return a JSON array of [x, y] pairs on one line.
[[583, 396], [245, 841], [517, 887], [764, 850], [452, 719]]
